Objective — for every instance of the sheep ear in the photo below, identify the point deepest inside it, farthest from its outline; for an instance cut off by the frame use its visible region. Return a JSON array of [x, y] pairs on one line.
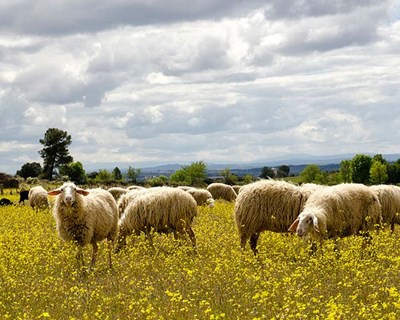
[[294, 225], [82, 191], [315, 223], [54, 192]]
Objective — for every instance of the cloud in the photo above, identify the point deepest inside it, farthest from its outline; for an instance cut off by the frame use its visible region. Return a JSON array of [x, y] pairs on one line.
[[215, 80]]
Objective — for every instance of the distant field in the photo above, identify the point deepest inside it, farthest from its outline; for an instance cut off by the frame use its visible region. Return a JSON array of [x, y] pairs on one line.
[[39, 279]]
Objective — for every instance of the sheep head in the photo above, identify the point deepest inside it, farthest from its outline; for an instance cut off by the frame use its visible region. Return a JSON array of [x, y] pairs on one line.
[[68, 193], [304, 224]]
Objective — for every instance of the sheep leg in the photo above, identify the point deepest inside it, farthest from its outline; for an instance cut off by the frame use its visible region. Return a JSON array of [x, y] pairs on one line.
[[243, 242], [253, 242], [110, 247], [94, 254], [191, 236], [79, 257]]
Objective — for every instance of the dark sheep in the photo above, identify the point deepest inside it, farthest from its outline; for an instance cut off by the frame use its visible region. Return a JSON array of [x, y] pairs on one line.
[[23, 195], [5, 202]]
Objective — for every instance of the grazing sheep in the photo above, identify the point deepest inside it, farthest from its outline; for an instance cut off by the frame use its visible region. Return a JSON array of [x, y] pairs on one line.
[[135, 187], [222, 191], [126, 198], [37, 198], [338, 211], [267, 205], [164, 209], [85, 216], [117, 192], [5, 202], [23, 195], [202, 196], [389, 198]]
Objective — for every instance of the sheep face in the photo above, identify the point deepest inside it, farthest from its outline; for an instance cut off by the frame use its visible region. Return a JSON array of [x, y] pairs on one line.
[[68, 193], [304, 224]]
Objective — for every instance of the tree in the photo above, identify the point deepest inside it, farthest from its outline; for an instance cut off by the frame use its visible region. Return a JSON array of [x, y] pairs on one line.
[[229, 177], [132, 174], [55, 150], [360, 168], [378, 172], [30, 169], [117, 175], [311, 173], [193, 175], [283, 171], [393, 171], [74, 171], [345, 170], [104, 175], [267, 172]]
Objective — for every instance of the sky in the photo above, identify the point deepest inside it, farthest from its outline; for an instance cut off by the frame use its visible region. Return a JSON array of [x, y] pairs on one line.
[[150, 82]]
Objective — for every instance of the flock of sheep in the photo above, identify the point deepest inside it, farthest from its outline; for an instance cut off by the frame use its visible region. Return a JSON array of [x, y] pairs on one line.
[[312, 211]]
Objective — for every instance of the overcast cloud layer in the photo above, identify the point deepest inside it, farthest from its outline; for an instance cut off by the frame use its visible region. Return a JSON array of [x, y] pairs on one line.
[[215, 80]]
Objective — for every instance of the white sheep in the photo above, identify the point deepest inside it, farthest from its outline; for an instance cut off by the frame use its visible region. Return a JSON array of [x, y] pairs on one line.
[[117, 192], [85, 216], [126, 198], [37, 198], [338, 211], [222, 191], [267, 205], [163, 209], [202, 196], [389, 198]]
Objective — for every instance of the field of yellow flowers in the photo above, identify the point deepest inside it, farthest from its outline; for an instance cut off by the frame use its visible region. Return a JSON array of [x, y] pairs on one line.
[[39, 278]]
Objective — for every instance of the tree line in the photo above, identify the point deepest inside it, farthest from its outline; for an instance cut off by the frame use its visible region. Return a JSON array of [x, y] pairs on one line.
[[58, 163]]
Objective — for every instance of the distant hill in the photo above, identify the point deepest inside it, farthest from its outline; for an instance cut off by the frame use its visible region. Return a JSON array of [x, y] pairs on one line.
[[297, 163]]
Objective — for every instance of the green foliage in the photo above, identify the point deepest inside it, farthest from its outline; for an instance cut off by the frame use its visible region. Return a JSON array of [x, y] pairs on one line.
[[55, 150], [345, 171], [378, 172], [132, 174], [283, 171], [229, 177], [159, 181], [248, 178], [312, 173], [116, 173], [30, 169], [104, 175], [393, 171], [193, 175], [39, 277], [267, 172], [74, 171], [360, 168]]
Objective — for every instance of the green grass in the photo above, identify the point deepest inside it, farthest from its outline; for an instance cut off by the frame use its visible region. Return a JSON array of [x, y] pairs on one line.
[[39, 278]]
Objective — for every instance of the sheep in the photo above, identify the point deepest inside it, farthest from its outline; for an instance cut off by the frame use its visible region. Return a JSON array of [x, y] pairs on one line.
[[202, 196], [37, 198], [222, 191], [163, 209], [5, 202], [338, 211], [389, 198], [85, 216], [135, 187], [117, 192], [126, 198], [23, 195], [267, 205]]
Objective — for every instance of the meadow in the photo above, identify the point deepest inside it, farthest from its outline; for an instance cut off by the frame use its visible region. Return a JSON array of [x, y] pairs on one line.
[[39, 278]]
